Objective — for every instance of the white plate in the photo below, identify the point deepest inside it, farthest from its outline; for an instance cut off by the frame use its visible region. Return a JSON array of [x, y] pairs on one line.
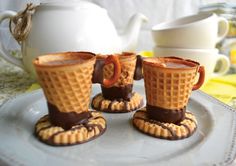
[[214, 142]]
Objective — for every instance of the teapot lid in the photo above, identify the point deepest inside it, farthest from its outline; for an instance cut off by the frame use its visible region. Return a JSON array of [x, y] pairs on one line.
[[78, 4]]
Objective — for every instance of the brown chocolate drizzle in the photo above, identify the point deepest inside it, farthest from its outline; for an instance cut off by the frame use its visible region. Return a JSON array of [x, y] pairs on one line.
[[165, 115], [98, 71], [44, 128], [138, 73], [172, 132], [43, 120], [109, 108], [89, 127], [126, 105], [110, 105], [191, 120], [66, 119], [114, 92], [189, 131]]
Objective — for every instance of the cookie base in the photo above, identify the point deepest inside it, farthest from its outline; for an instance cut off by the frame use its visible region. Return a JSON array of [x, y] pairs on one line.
[[169, 131], [78, 134], [117, 106]]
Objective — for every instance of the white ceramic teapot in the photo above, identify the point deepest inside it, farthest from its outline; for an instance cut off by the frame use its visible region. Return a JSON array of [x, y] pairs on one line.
[[71, 26]]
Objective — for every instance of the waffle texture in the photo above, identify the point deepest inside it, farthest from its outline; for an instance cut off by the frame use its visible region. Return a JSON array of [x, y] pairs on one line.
[[68, 87], [128, 64], [168, 88], [162, 130]]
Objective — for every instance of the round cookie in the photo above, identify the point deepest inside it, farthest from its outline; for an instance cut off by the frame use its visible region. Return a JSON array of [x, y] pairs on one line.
[[57, 136], [162, 130], [117, 106]]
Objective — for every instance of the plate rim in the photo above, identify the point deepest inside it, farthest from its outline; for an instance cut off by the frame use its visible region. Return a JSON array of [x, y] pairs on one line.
[[232, 151], [228, 159]]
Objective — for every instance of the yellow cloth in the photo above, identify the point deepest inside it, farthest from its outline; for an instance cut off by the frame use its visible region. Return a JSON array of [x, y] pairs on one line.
[[34, 86], [146, 53], [223, 88]]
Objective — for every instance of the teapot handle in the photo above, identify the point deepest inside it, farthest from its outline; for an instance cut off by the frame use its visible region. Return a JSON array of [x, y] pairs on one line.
[[3, 51]]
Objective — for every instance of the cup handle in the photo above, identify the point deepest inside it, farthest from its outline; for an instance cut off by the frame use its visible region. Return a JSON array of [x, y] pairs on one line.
[[117, 71], [3, 51], [225, 65], [201, 78], [138, 72], [223, 28]]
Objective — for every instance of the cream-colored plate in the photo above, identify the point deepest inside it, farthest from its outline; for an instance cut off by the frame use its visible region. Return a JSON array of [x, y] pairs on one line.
[[214, 142]]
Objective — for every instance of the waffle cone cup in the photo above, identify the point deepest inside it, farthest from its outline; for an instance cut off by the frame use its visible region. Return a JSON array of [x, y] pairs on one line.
[[168, 88], [66, 86], [128, 64]]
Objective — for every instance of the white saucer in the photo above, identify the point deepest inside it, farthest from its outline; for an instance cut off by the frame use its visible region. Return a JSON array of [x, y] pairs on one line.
[[214, 142]]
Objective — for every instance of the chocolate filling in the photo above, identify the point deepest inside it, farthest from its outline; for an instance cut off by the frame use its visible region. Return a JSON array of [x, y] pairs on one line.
[[66, 119], [138, 73], [113, 93], [165, 115]]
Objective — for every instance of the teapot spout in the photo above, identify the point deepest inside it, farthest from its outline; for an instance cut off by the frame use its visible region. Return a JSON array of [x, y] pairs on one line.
[[129, 38]]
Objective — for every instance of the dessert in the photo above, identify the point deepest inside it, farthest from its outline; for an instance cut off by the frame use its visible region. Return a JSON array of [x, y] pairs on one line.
[[117, 105], [170, 131], [77, 134], [120, 97], [168, 82], [66, 80]]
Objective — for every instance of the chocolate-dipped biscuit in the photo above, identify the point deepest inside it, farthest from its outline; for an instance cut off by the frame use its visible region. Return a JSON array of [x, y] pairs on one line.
[[118, 98], [117, 105], [53, 135], [169, 131]]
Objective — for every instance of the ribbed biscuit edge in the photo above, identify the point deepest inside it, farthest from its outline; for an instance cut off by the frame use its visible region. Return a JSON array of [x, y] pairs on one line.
[[99, 103], [162, 130], [57, 136]]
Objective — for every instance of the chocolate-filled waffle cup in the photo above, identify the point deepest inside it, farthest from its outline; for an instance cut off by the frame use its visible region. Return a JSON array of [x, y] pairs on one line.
[[119, 98], [170, 87], [169, 131], [128, 63], [66, 79], [66, 86]]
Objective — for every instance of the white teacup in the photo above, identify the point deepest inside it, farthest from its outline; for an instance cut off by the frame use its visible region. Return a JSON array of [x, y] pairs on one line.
[[201, 31], [209, 58]]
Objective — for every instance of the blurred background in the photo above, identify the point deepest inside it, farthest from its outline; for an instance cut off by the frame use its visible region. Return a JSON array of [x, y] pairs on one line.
[[120, 11], [14, 80]]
